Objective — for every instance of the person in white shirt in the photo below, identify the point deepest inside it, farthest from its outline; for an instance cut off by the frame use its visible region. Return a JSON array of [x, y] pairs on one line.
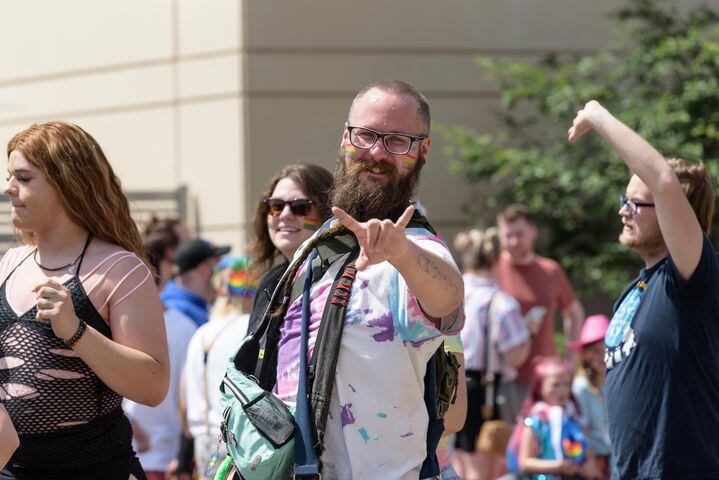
[[156, 430], [209, 351]]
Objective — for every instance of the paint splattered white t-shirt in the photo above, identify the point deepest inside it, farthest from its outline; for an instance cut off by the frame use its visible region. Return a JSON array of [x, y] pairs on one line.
[[377, 423]]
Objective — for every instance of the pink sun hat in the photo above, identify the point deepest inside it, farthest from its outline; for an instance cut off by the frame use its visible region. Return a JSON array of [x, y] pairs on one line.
[[594, 329]]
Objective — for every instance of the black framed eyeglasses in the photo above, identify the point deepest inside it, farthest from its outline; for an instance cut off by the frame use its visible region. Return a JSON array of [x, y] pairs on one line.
[[632, 205], [300, 207], [395, 143]]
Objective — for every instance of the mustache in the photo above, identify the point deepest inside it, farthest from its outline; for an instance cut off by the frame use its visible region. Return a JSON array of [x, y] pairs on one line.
[[372, 165]]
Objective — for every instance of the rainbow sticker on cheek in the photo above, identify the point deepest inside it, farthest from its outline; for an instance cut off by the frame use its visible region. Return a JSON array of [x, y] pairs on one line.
[[311, 224], [350, 151], [269, 222], [408, 161]]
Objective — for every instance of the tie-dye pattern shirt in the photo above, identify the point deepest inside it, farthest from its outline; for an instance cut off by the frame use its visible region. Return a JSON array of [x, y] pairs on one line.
[[377, 424]]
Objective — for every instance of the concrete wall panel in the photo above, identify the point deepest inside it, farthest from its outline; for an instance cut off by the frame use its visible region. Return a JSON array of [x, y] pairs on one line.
[[452, 24], [208, 26], [95, 93], [211, 76], [210, 164], [138, 144], [47, 37]]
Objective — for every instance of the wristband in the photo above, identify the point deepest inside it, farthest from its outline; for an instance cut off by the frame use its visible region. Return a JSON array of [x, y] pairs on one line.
[[81, 327]]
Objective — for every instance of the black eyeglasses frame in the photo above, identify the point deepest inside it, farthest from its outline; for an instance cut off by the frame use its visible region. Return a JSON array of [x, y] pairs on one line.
[[623, 200], [383, 136]]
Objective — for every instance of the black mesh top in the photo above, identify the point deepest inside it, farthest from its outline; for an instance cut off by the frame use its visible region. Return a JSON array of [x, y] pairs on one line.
[[65, 416]]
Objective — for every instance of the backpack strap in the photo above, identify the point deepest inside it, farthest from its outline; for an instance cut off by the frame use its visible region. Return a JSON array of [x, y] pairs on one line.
[[306, 459], [328, 252], [420, 221], [327, 347]]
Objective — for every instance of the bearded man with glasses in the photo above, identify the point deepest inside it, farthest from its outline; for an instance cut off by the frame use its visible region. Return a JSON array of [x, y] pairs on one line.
[[405, 294], [662, 345]]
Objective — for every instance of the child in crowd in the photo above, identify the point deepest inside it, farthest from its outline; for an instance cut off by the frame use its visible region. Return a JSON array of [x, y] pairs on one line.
[[495, 338], [210, 349], [549, 442], [8, 437], [588, 387]]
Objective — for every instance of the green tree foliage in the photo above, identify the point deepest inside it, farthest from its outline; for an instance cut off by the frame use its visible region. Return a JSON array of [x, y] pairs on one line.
[[661, 79]]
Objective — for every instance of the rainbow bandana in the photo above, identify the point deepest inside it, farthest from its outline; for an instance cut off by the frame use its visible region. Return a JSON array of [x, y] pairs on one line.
[[239, 278]]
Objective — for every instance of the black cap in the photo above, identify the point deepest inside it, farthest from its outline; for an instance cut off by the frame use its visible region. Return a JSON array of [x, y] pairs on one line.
[[193, 252]]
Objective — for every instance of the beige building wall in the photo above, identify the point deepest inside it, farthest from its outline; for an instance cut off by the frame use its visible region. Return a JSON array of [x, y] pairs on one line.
[[220, 94]]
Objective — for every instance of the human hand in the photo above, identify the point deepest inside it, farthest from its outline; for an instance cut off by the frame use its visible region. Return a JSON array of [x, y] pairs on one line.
[[569, 468], [585, 120], [171, 472], [534, 318], [142, 441], [54, 304], [590, 470], [379, 240]]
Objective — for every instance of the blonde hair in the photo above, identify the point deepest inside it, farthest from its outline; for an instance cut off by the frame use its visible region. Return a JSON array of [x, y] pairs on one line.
[[75, 166], [479, 248]]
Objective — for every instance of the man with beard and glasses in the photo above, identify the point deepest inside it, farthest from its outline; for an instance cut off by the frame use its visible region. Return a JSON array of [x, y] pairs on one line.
[[662, 345], [405, 297]]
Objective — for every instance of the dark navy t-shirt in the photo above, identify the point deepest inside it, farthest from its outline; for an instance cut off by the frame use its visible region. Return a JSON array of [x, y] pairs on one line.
[[662, 388]]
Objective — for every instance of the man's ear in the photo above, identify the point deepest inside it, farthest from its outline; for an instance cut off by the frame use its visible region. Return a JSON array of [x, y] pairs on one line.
[[344, 136], [424, 147]]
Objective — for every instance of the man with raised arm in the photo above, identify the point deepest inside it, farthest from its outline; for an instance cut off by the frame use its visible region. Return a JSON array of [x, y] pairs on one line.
[[662, 346], [406, 295]]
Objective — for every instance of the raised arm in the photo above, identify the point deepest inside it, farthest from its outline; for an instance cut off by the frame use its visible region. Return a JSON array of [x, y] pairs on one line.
[[435, 282], [677, 221]]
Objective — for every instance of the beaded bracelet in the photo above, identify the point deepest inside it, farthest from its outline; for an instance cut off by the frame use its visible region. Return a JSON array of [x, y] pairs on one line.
[[82, 326]]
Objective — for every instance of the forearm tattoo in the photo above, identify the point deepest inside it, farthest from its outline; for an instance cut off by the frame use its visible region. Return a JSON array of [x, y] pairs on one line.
[[428, 265]]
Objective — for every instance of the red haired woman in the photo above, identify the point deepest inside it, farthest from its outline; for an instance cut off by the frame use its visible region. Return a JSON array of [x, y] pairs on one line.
[[80, 318]]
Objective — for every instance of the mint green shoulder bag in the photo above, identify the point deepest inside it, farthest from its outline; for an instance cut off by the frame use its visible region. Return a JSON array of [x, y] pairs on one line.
[[257, 427]]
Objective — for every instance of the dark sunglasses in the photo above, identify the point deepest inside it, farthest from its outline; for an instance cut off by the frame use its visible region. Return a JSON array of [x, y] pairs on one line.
[[300, 207]]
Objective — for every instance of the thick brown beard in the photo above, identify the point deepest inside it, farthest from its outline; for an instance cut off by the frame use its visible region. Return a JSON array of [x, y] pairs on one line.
[[366, 199]]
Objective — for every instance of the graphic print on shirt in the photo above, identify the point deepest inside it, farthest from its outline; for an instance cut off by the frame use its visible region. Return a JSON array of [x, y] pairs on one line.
[[620, 341]]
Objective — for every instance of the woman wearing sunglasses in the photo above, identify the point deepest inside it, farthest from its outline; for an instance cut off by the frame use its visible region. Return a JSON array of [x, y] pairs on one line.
[[293, 207]]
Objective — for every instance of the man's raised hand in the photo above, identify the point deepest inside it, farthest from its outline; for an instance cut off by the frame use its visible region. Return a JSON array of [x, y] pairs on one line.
[[379, 240], [586, 119]]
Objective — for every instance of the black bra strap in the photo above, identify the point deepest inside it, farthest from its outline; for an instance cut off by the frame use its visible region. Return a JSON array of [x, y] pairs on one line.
[[82, 254], [16, 266]]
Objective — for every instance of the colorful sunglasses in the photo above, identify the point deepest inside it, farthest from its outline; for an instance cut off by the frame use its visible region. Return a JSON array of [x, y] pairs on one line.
[[300, 207]]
